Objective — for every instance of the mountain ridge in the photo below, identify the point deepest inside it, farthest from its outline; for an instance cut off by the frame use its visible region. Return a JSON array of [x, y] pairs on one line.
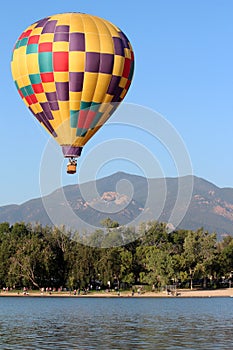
[[125, 197]]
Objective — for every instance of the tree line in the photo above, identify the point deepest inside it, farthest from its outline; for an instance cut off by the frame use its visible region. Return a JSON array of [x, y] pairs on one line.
[[38, 257]]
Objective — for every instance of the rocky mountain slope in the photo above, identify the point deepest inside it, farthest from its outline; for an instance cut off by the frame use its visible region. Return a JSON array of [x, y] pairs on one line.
[[131, 199]]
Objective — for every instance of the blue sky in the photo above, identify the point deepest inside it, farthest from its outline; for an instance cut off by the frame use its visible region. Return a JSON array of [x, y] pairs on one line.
[[184, 71]]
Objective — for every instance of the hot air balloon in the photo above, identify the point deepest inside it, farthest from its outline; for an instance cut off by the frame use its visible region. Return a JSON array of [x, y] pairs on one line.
[[72, 70]]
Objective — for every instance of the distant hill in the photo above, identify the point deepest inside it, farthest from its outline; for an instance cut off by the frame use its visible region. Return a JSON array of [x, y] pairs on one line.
[[124, 198]]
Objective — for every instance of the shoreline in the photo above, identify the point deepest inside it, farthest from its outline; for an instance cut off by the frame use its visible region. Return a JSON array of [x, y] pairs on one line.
[[181, 293]]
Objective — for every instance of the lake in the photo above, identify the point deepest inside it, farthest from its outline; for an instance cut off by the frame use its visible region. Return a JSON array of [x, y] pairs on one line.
[[116, 323]]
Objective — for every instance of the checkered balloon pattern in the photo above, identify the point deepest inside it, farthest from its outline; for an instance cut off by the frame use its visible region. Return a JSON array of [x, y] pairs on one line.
[[72, 70]]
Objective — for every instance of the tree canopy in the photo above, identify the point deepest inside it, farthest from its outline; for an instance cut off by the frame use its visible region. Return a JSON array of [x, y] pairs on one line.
[[39, 257]]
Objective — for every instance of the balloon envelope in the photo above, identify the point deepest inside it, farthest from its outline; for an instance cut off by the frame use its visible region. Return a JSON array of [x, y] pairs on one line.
[[72, 70]]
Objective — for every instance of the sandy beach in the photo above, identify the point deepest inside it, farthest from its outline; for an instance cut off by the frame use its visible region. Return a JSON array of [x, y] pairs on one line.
[[180, 293]]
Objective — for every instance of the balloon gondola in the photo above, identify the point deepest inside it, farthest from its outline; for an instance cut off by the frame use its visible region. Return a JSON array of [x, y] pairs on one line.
[[72, 70], [71, 166]]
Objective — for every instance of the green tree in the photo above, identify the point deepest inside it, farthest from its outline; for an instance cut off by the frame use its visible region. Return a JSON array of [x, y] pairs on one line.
[[109, 223], [126, 266], [225, 256], [159, 268], [5, 252], [199, 254], [29, 265]]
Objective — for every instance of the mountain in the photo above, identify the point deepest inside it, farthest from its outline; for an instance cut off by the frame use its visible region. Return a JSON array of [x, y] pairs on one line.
[[187, 202]]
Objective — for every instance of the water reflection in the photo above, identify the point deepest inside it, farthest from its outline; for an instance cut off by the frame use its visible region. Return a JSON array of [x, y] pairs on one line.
[[124, 323]]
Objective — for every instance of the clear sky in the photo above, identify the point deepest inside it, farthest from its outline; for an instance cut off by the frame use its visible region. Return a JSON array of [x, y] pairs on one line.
[[184, 71]]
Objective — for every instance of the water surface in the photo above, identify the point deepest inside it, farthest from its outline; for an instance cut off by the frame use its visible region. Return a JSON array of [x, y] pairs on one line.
[[116, 323]]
